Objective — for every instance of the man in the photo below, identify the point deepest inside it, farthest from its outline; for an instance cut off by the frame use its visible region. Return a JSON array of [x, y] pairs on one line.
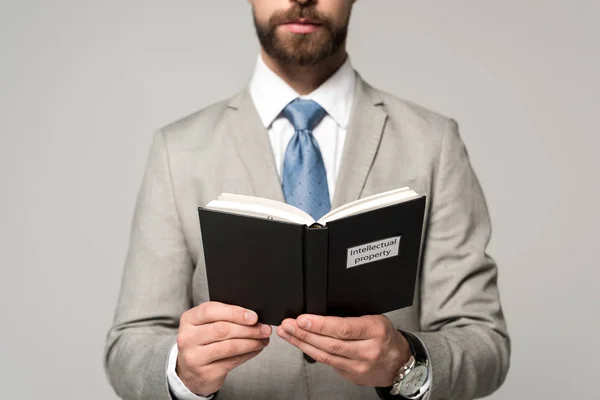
[[307, 116]]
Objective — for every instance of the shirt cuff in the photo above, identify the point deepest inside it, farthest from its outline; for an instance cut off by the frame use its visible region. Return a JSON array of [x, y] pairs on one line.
[[177, 388]]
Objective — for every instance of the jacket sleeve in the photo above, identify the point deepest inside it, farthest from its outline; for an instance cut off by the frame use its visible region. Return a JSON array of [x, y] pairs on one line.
[[461, 319], [155, 288]]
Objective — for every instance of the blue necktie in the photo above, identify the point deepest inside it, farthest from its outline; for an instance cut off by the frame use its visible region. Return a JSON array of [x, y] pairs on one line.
[[304, 176]]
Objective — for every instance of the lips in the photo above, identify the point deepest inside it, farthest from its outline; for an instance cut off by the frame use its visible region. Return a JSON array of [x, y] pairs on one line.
[[301, 25]]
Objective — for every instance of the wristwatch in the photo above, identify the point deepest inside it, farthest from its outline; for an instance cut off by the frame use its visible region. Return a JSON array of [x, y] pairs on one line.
[[412, 380]]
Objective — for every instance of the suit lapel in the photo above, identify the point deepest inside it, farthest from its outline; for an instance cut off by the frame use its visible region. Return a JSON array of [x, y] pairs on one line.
[[251, 142], [362, 141]]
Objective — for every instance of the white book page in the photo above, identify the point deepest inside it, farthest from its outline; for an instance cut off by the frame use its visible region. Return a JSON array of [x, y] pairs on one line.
[[360, 201], [374, 202], [259, 207]]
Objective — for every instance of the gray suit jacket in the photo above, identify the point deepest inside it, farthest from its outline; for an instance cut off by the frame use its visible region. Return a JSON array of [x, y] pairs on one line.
[[390, 143]]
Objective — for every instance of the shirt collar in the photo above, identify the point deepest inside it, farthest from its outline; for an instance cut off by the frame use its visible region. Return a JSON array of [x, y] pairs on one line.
[[271, 94]]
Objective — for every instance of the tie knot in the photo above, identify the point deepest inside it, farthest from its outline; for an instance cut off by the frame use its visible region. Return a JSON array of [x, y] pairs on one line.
[[304, 114]]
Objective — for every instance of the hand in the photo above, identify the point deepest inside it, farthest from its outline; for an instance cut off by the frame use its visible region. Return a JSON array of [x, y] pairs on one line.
[[367, 350], [213, 339]]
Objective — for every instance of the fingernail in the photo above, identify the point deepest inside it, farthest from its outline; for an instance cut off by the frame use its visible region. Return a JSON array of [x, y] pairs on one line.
[[250, 316], [289, 328], [265, 329], [303, 323], [281, 332]]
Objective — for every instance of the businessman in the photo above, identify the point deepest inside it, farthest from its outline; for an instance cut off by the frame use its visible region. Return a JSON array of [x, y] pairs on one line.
[[309, 131]]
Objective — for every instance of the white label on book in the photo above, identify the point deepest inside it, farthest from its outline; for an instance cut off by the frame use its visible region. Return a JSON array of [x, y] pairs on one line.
[[371, 252]]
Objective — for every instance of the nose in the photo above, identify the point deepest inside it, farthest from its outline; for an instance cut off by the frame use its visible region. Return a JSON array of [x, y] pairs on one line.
[[304, 2]]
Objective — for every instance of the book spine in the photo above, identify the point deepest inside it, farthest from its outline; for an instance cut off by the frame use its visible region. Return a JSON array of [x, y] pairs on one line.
[[315, 269]]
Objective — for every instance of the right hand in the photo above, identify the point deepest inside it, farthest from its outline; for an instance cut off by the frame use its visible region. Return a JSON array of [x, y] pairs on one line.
[[213, 339]]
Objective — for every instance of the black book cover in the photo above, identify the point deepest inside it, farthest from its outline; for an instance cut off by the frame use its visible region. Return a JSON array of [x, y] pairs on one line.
[[359, 265]]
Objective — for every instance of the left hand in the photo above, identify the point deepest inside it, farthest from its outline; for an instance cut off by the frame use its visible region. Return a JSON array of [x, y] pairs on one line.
[[367, 350]]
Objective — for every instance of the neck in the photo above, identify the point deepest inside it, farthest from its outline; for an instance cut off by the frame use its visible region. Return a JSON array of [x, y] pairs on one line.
[[305, 79]]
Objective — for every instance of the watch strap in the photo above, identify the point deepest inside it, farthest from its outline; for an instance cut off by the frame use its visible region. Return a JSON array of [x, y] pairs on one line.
[[416, 347]]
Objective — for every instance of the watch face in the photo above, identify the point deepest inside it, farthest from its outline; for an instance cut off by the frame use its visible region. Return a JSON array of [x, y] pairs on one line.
[[414, 381]]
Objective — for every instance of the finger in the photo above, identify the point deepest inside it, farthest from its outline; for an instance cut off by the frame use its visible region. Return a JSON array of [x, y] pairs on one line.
[[212, 311], [230, 363], [223, 330], [317, 354], [192, 335], [218, 370], [351, 328], [353, 349], [230, 348]]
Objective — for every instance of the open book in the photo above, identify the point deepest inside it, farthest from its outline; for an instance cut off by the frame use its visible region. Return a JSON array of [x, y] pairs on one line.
[[278, 211], [360, 258]]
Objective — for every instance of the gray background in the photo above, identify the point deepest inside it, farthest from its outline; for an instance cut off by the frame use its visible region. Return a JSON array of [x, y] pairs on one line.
[[83, 84]]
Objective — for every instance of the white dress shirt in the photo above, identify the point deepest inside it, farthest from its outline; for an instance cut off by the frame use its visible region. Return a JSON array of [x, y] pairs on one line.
[[270, 95]]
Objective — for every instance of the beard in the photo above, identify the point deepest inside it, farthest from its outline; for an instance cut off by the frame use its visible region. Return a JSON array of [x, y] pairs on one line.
[[301, 49]]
